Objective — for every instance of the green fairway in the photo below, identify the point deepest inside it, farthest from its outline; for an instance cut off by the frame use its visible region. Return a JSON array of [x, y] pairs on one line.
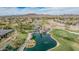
[[67, 41]]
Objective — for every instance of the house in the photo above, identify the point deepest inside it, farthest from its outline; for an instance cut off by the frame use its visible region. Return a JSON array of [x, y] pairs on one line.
[[5, 33]]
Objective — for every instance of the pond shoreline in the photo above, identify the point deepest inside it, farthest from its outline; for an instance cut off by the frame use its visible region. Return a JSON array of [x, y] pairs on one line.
[[53, 39], [46, 42]]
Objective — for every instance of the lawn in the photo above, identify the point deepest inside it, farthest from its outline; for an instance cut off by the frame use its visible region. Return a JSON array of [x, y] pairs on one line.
[[67, 41]]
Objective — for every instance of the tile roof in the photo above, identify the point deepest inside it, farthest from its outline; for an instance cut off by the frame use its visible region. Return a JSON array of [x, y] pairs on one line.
[[3, 31]]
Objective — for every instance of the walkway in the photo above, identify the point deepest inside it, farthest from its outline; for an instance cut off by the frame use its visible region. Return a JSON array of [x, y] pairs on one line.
[[24, 45], [73, 32]]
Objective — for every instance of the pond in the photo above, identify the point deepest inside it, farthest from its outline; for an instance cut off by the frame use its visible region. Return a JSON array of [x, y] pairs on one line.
[[43, 42]]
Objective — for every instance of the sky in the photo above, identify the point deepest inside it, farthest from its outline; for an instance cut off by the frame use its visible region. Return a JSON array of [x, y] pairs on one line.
[[38, 10]]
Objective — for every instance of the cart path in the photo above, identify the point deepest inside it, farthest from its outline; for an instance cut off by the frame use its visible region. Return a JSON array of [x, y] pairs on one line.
[[24, 45]]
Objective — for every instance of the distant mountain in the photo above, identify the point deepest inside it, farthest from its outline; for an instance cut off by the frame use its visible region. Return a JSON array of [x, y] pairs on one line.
[[41, 15], [34, 14]]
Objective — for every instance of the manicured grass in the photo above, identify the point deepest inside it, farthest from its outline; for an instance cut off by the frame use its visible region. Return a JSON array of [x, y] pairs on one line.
[[67, 41], [22, 35]]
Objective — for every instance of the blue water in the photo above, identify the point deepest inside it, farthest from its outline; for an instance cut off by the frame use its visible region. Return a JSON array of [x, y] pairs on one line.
[[43, 42]]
